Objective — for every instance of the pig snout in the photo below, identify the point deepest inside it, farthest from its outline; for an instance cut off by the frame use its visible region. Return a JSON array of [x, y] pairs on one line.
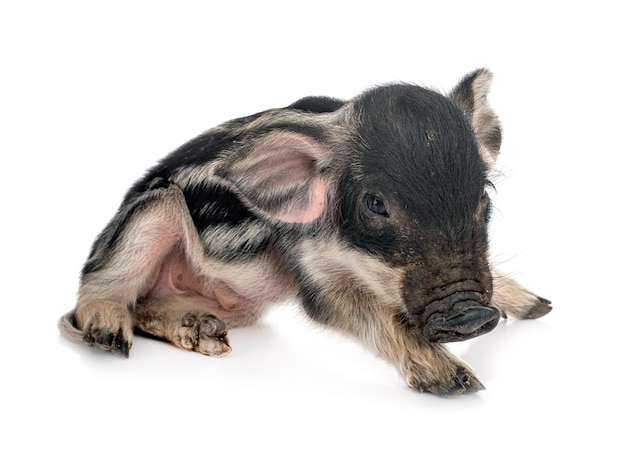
[[457, 317]]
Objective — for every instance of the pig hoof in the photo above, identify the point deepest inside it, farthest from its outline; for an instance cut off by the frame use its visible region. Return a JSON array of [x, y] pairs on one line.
[[107, 340], [539, 309], [462, 382], [105, 325], [204, 333]]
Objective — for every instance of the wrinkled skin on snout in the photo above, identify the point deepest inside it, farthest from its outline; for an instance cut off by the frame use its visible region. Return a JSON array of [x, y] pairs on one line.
[[451, 311], [371, 213]]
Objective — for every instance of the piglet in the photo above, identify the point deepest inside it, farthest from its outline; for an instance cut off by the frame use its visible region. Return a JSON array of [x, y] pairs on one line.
[[372, 213]]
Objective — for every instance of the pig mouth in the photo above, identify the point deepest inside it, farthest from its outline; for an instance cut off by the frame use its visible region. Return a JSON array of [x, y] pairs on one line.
[[459, 317]]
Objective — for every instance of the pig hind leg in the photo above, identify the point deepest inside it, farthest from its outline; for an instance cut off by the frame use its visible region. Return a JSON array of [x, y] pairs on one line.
[[184, 321], [117, 289]]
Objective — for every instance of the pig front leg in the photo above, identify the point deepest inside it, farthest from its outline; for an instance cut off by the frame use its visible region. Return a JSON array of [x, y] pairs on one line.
[[426, 367], [512, 298]]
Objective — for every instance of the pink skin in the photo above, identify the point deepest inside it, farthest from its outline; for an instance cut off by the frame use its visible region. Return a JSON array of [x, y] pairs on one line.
[[176, 278], [319, 188]]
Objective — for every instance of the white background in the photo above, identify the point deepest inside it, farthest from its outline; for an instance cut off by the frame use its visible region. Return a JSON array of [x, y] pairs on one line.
[[90, 96]]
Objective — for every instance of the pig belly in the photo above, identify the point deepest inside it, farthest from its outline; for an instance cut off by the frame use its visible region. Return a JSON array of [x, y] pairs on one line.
[[228, 291]]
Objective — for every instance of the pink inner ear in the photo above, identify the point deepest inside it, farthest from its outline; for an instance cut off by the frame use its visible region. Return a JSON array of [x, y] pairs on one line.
[[312, 210], [279, 174]]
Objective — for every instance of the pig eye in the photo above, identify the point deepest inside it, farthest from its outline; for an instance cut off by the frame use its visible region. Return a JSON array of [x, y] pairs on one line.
[[376, 205]]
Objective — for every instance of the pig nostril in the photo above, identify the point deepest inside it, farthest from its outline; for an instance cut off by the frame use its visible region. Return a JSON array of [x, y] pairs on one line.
[[463, 322]]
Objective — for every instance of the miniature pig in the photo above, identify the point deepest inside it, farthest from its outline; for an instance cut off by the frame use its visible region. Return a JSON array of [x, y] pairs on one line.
[[372, 213]]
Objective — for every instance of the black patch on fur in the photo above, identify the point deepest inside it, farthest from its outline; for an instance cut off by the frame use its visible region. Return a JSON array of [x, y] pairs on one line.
[[214, 207], [315, 104], [212, 204]]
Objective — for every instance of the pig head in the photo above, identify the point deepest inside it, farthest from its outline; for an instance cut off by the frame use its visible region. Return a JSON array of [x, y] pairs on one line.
[[415, 194]]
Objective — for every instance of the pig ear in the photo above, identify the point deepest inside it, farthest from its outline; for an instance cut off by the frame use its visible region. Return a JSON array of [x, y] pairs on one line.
[[280, 174], [471, 96]]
